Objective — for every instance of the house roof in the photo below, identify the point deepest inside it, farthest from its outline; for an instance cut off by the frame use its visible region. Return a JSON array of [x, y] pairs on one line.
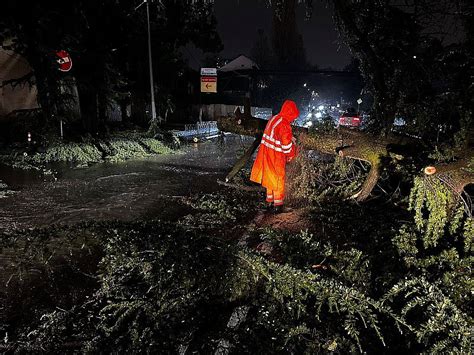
[[240, 63]]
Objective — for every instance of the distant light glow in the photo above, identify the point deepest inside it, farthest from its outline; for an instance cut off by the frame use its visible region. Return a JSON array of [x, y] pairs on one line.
[[399, 121], [304, 84], [319, 115], [321, 107]]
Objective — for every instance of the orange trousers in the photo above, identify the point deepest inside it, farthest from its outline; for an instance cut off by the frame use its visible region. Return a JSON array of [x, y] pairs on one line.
[[276, 197]]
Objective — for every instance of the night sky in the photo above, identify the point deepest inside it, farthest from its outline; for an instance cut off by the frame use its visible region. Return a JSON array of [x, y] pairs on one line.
[[239, 20]]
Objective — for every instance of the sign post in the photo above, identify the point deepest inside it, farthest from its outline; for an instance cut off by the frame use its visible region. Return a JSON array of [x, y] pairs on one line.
[[359, 101]]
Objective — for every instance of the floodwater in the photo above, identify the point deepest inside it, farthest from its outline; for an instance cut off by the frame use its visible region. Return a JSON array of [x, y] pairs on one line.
[[58, 273], [136, 189]]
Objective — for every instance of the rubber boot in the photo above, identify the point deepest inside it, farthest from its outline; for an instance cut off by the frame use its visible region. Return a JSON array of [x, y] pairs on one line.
[[278, 209]]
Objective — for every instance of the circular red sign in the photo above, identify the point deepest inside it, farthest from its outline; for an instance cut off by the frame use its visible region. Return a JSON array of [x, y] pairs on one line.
[[64, 60]]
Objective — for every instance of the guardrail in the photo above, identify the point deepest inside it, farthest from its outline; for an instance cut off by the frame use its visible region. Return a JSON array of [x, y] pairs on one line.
[[200, 129]]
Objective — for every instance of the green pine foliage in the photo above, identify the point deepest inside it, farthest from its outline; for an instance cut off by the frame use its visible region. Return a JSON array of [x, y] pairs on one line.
[[363, 279], [437, 244], [158, 285], [431, 201], [321, 181], [432, 316], [115, 149], [155, 146], [79, 153], [123, 149]]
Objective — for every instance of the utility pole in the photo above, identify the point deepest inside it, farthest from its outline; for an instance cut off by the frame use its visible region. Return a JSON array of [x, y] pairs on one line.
[[152, 88], [150, 63]]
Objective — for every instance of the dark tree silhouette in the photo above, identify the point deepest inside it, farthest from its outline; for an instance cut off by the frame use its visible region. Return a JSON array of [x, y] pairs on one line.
[[288, 45], [261, 51], [108, 42]]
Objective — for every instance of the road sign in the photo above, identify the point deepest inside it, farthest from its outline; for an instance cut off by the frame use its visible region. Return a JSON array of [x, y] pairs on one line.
[[359, 101], [64, 60], [208, 71], [208, 84], [209, 80]]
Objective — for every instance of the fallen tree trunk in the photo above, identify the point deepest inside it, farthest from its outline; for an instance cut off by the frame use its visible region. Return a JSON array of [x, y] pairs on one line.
[[456, 175], [247, 126], [255, 188], [459, 173], [244, 159], [354, 144], [346, 142]]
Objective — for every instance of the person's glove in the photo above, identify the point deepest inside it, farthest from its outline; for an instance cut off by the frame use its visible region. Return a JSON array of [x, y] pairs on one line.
[[293, 140]]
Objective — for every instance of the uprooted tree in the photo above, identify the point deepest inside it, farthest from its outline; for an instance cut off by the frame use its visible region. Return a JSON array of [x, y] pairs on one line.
[[354, 144], [411, 74]]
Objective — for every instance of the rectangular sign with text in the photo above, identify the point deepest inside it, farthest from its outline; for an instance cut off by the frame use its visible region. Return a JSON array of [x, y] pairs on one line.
[[209, 84], [208, 71]]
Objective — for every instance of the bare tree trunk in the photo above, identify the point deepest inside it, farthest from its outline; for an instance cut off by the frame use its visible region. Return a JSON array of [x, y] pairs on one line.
[[88, 104], [123, 111], [139, 109]]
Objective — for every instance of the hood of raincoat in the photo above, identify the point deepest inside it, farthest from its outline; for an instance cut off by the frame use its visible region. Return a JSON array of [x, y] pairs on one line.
[[289, 111]]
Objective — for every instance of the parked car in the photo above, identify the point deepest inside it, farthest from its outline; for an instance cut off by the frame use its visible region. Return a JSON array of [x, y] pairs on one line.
[[350, 118]]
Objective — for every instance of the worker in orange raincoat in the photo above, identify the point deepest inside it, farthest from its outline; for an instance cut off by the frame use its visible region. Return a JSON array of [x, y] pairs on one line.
[[276, 149]]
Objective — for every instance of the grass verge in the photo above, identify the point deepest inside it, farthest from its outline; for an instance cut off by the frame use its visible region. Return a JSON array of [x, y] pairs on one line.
[[114, 149]]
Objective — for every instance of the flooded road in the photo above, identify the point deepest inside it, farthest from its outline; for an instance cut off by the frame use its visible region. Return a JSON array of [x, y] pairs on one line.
[[149, 188]]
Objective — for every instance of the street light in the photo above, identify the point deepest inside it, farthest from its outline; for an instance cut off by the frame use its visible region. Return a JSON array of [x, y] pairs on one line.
[[152, 91]]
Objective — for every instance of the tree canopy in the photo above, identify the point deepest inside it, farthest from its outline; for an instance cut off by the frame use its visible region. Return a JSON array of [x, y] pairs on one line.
[[107, 40], [413, 68]]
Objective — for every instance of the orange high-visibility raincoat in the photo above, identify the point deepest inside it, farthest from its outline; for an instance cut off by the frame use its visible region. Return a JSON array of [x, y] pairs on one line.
[[275, 150]]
